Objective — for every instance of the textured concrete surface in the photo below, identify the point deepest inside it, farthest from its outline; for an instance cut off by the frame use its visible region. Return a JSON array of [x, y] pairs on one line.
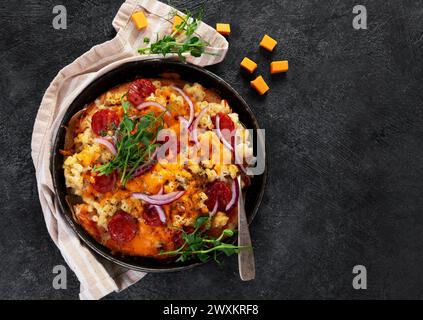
[[344, 128]]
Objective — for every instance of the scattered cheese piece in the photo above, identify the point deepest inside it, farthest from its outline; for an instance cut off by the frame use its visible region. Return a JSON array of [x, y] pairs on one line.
[[177, 20], [279, 66], [249, 65], [268, 43], [260, 85], [220, 220], [139, 19], [223, 28]]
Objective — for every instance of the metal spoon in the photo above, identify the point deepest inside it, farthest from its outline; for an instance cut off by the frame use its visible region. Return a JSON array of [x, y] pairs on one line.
[[246, 264]]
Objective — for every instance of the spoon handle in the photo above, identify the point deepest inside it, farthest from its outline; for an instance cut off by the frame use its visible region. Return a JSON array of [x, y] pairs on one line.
[[247, 269]]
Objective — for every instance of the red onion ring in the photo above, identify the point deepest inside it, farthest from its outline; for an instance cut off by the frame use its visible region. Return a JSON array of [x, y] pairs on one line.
[[235, 194], [161, 213], [194, 125], [220, 135], [159, 199], [109, 145], [184, 122], [239, 163], [154, 154], [165, 196], [189, 101], [143, 169], [146, 166], [147, 104], [214, 209], [183, 125]]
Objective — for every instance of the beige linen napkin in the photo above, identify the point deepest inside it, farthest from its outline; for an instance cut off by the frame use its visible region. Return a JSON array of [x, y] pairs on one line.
[[98, 277]]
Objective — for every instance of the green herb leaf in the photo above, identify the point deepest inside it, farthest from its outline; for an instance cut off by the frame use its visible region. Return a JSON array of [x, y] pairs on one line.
[[133, 148], [202, 246], [201, 221], [196, 53], [182, 40], [228, 232]]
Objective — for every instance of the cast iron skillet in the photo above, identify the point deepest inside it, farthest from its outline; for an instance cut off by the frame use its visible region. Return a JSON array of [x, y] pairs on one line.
[[125, 73]]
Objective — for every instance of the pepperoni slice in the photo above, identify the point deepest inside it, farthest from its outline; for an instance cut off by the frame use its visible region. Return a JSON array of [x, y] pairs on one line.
[[139, 90], [151, 217], [225, 122], [226, 125], [104, 183], [122, 227], [103, 121], [218, 191]]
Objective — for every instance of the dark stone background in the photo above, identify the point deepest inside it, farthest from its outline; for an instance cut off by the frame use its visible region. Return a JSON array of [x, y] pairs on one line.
[[344, 130]]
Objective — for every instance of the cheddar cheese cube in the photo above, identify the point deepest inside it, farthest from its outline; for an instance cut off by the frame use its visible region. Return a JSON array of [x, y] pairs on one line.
[[223, 28], [260, 85], [279, 66], [177, 20], [140, 20], [268, 43], [249, 65]]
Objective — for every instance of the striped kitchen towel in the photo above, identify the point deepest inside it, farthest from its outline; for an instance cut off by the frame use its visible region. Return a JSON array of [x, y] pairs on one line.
[[99, 277]]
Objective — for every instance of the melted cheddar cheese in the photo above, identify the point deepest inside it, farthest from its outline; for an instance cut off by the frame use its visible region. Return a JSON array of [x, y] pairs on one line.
[[191, 173]]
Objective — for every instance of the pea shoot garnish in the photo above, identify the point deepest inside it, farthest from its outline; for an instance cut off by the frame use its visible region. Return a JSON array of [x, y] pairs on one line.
[[136, 141], [181, 41], [199, 244]]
